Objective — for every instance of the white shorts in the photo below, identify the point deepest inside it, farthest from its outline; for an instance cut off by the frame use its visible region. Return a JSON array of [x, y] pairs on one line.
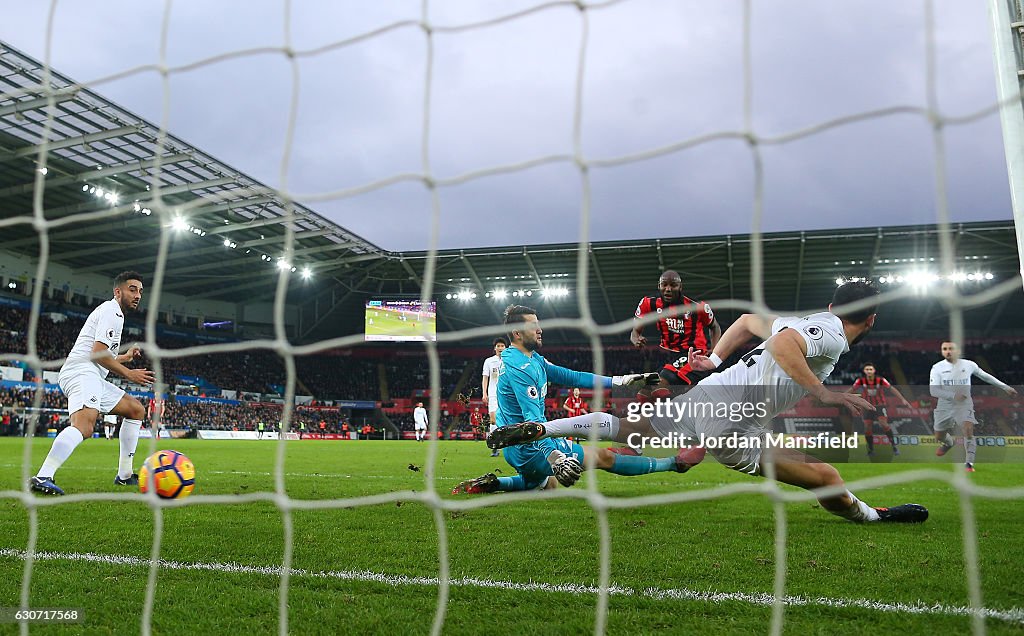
[[949, 419], [737, 448], [86, 389], [110, 419], [492, 405], [421, 427]]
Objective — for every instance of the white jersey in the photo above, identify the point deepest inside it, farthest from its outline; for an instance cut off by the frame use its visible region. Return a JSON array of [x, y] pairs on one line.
[[492, 367], [948, 379], [757, 377], [419, 415], [104, 325]]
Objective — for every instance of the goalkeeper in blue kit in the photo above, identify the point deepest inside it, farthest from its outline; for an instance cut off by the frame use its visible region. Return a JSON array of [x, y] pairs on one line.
[[522, 389]]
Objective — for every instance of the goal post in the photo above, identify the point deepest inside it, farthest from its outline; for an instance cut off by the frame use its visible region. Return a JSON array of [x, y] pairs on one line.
[[1007, 20]]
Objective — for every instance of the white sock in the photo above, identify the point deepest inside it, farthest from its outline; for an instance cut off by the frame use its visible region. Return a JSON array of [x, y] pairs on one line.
[[858, 512], [129, 440], [63, 446], [971, 446], [579, 426]]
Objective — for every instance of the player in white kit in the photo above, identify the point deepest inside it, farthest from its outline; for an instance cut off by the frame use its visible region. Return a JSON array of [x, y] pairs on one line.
[[419, 416], [489, 383], [950, 382], [797, 355], [83, 381], [109, 424]]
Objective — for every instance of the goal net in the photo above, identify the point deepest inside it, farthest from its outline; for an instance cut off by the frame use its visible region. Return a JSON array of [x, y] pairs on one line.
[[48, 95]]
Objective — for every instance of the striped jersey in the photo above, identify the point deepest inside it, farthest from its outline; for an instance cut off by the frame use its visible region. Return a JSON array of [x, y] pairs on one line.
[[872, 390], [681, 326], [574, 406]]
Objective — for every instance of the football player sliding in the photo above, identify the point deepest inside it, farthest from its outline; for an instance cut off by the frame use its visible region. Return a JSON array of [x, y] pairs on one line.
[[796, 356]]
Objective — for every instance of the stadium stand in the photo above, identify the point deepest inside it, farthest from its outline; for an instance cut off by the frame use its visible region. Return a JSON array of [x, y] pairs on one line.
[[356, 375]]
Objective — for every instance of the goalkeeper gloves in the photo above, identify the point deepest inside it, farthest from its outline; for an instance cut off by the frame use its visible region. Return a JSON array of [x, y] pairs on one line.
[[649, 379], [567, 469]]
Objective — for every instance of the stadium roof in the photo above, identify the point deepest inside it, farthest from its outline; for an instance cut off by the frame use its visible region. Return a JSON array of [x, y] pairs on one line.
[[800, 273], [94, 143], [96, 147]]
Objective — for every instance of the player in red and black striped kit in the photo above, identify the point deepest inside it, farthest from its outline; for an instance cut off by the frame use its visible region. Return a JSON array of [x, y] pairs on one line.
[[476, 420], [574, 404], [872, 388], [683, 323]]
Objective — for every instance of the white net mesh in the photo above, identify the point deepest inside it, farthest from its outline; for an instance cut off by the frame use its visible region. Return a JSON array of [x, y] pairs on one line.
[[430, 497]]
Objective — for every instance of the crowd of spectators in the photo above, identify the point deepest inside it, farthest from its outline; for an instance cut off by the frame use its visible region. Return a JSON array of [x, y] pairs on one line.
[[325, 376], [196, 415], [248, 417], [24, 398], [330, 376], [407, 375]]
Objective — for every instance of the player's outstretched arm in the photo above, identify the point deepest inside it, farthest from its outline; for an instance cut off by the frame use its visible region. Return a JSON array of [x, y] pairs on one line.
[[129, 355], [991, 379], [790, 352], [740, 332], [637, 337], [899, 395], [716, 334], [585, 379]]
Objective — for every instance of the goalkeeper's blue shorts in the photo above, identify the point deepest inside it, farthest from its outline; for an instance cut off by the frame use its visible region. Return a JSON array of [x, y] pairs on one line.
[[531, 460]]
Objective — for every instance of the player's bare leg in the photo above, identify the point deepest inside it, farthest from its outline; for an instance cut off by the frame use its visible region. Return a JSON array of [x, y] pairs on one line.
[[662, 390], [884, 423], [798, 469], [945, 441]]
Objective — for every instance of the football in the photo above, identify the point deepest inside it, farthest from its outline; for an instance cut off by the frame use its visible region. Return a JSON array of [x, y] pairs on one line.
[[173, 475]]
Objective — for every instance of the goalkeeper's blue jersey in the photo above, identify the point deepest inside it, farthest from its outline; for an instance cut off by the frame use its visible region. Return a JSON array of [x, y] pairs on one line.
[[523, 385]]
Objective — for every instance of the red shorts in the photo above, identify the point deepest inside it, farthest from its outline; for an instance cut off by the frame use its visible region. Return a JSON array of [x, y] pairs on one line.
[[878, 413], [679, 372]]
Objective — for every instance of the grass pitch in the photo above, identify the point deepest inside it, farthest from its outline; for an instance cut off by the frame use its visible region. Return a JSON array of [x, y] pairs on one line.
[[223, 578]]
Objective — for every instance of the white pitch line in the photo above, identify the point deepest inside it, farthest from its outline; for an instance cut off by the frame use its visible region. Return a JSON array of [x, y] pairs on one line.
[[1012, 615]]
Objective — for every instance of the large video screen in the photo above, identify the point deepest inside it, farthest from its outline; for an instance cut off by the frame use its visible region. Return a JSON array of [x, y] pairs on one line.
[[400, 320]]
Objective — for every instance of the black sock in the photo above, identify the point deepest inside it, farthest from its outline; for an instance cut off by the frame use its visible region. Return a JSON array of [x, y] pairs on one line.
[[892, 439], [870, 439]]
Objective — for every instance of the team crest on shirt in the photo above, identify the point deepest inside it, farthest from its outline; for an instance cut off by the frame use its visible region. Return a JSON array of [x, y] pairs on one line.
[[532, 392], [814, 332]]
